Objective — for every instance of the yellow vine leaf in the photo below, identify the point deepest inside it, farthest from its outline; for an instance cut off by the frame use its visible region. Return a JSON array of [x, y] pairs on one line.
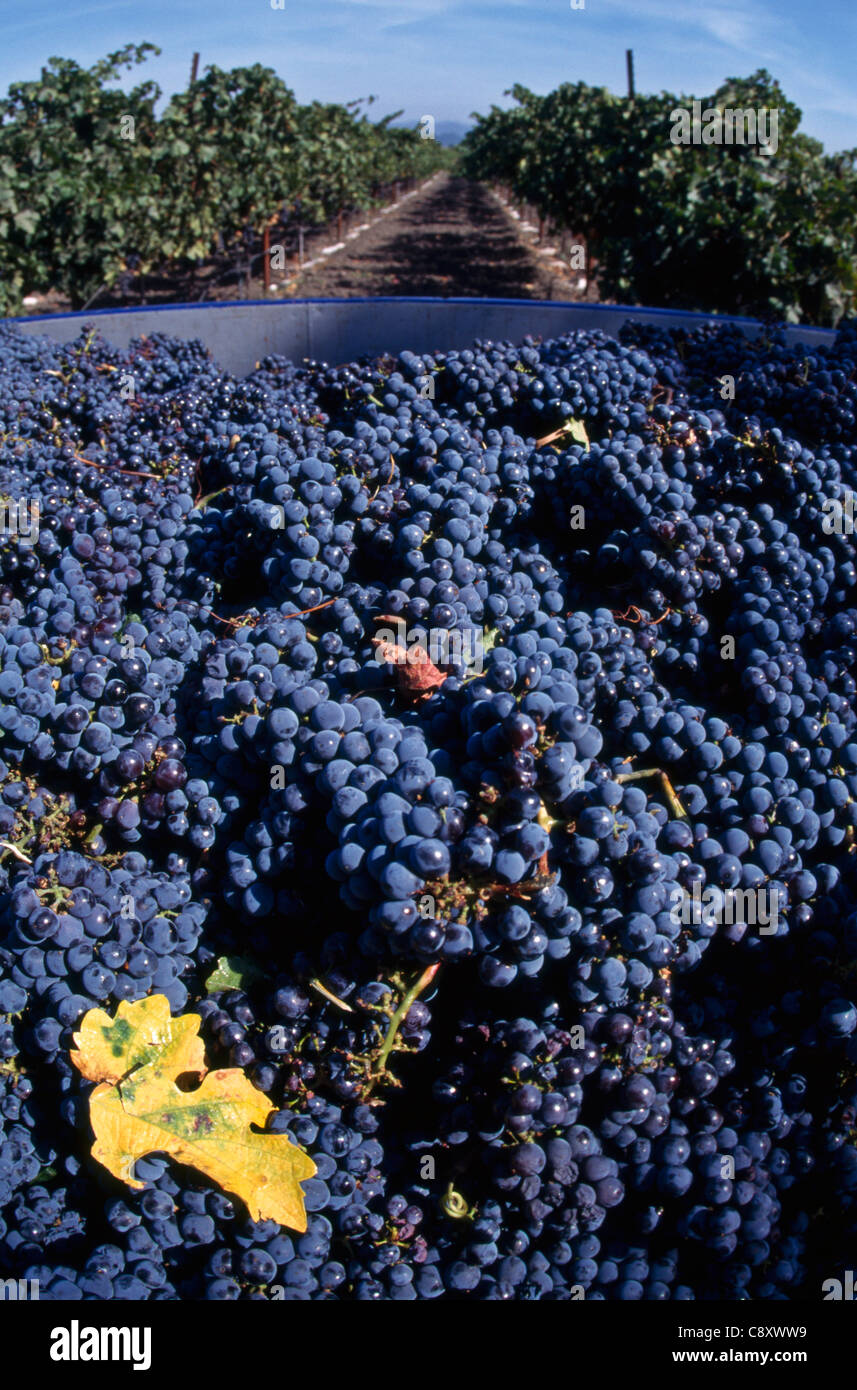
[[141, 1034], [137, 1108]]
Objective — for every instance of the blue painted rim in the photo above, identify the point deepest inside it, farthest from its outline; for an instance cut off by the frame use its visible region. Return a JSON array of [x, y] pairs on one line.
[[629, 310]]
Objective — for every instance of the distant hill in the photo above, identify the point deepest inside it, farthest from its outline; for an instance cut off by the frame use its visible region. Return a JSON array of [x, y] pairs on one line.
[[451, 132]]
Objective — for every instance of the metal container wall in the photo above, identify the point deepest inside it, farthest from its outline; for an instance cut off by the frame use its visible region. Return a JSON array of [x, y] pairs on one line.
[[239, 333]]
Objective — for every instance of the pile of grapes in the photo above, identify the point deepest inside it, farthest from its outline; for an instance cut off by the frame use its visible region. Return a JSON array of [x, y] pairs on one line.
[[541, 941]]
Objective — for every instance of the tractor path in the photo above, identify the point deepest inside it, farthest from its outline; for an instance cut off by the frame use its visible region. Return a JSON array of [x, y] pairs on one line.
[[451, 238]]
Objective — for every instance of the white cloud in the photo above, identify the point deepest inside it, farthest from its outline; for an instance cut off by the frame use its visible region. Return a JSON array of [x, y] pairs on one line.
[[748, 26]]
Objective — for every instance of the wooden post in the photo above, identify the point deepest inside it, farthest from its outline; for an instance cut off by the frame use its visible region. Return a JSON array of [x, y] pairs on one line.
[[194, 68], [339, 225], [629, 63]]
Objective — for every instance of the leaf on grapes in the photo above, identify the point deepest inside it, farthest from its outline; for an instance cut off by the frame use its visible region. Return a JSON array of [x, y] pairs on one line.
[[577, 430], [232, 972], [141, 1034], [138, 1108]]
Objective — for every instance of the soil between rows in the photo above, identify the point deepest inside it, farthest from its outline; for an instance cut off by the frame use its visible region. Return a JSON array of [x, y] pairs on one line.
[[450, 239]]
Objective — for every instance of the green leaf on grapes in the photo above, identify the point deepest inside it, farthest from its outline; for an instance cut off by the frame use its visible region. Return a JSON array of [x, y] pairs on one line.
[[577, 430], [232, 972]]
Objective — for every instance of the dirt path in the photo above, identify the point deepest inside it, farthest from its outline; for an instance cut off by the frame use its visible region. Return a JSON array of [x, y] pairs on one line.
[[452, 238]]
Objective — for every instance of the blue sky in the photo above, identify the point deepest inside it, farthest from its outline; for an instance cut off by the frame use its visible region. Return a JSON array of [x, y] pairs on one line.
[[449, 57]]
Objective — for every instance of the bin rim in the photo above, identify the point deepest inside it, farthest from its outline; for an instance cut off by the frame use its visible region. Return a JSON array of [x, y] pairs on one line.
[[629, 310]]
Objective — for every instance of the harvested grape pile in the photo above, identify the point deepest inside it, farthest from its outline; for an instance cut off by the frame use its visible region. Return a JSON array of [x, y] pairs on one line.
[[467, 923]]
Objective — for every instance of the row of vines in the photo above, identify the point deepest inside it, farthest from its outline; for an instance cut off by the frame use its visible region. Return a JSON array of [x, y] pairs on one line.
[[96, 186], [718, 227]]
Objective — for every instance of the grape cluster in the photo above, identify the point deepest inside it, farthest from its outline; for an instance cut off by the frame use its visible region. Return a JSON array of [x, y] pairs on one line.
[[469, 739]]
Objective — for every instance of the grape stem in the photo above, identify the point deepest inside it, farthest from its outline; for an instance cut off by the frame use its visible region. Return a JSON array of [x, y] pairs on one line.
[[328, 994], [106, 467], [669, 790], [396, 1021], [13, 849], [453, 1204], [202, 502], [94, 833]]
